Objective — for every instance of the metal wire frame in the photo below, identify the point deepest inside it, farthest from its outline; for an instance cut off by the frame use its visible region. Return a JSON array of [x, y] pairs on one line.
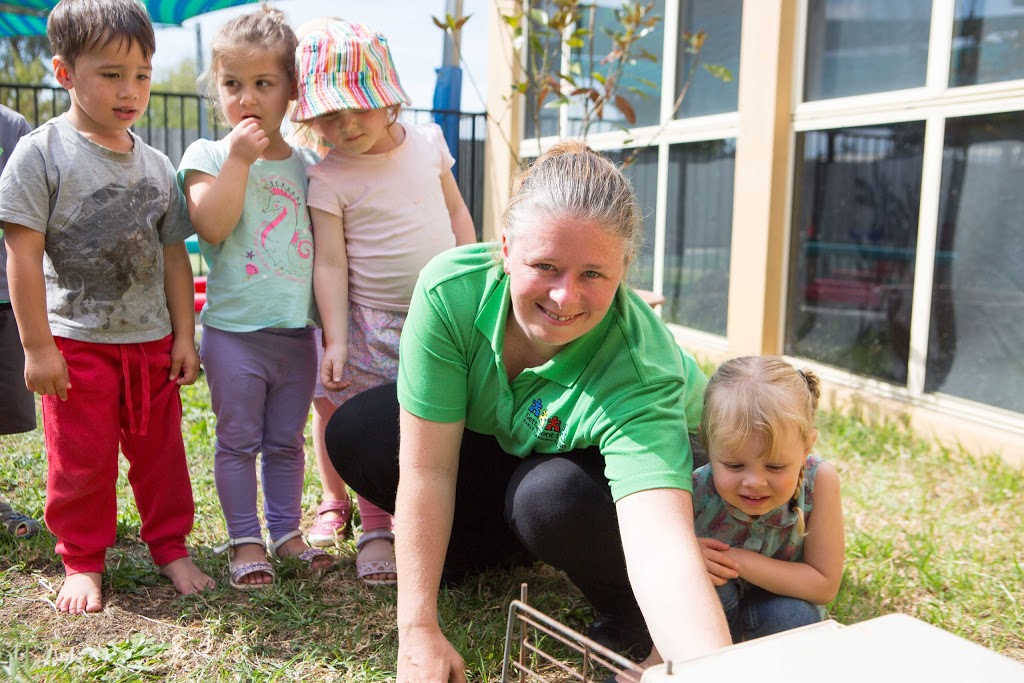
[[531, 621]]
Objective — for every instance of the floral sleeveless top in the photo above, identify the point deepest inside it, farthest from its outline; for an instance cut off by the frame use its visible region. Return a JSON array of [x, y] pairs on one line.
[[772, 534]]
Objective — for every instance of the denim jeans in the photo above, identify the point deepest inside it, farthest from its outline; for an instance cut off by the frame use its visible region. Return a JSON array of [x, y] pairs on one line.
[[753, 612]]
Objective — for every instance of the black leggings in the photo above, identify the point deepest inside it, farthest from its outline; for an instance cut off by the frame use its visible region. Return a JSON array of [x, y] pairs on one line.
[[553, 508]]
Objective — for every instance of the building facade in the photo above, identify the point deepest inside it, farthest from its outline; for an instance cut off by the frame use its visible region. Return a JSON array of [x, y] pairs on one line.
[[852, 199]]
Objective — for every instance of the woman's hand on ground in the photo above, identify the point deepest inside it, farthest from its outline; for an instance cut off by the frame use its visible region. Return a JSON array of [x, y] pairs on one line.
[[721, 568], [426, 656]]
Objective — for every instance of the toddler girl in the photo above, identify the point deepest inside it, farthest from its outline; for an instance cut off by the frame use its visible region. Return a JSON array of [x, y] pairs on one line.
[[247, 198], [767, 513], [383, 202]]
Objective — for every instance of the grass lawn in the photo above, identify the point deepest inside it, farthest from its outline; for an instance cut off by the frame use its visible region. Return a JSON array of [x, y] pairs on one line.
[[933, 533]]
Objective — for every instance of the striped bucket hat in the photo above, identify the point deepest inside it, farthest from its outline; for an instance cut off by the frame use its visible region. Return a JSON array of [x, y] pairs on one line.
[[344, 65]]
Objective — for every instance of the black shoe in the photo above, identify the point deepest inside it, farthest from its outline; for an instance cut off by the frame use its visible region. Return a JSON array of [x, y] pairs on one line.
[[630, 639]]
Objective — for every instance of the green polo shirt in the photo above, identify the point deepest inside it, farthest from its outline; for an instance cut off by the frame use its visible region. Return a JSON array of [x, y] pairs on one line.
[[625, 387]]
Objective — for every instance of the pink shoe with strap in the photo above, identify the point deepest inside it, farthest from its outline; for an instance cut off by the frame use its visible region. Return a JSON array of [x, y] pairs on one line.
[[328, 532]]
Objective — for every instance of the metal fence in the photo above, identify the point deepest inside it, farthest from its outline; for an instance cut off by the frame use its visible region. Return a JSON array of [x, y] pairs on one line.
[[173, 121]]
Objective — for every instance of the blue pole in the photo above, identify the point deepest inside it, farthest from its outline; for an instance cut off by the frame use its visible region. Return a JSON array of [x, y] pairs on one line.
[[448, 99]]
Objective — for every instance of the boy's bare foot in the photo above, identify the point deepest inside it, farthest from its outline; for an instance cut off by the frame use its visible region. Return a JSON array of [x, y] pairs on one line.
[[186, 576], [81, 593]]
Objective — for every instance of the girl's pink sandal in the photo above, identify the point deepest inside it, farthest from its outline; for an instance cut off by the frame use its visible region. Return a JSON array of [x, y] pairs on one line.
[[327, 532]]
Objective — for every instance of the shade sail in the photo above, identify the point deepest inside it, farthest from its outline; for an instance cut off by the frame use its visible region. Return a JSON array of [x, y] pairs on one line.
[[28, 17]]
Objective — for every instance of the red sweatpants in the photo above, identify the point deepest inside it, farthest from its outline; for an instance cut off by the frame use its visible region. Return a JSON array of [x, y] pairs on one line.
[[119, 395]]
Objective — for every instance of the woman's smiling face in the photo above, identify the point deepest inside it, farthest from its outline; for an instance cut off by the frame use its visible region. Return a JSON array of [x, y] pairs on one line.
[[563, 277]]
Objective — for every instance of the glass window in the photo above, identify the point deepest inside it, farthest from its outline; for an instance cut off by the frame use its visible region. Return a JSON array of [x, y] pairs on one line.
[[988, 42], [854, 243], [865, 46], [699, 234], [643, 174], [543, 56], [977, 317], [640, 82], [721, 20]]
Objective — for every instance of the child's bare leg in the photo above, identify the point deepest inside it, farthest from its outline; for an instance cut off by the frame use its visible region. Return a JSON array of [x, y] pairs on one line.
[[186, 576], [331, 482], [81, 593]]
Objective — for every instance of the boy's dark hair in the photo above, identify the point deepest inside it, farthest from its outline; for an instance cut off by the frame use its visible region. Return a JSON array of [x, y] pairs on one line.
[[78, 26]]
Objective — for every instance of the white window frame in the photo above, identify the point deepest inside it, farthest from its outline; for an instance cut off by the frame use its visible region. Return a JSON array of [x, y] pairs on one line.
[[933, 104]]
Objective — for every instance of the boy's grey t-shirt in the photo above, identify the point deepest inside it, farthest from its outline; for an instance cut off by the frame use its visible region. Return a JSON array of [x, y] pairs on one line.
[[12, 127], [106, 217]]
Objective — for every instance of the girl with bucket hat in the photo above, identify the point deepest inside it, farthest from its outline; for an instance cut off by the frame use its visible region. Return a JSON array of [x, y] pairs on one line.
[[383, 202]]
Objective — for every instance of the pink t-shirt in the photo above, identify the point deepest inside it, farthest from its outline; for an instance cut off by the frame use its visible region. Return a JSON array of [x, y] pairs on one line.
[[393, 210]]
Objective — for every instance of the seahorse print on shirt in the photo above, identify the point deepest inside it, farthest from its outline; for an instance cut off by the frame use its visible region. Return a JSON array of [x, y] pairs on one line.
[[283, 247]]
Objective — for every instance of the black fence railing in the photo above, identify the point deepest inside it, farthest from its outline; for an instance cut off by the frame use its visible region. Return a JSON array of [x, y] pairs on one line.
[[173, 121]]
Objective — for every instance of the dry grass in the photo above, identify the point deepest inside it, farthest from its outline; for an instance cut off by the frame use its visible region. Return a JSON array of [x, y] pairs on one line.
[[932, 533]]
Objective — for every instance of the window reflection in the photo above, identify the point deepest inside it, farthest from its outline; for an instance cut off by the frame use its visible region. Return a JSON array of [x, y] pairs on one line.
[[853, 248], [988, 42], [640, 82], [721, 20], [643, 174], [865, 46], [978, 292], [542, 43], [699, 234]]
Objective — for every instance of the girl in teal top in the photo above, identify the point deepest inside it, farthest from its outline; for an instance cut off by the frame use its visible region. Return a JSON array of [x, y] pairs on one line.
[[247, 199]]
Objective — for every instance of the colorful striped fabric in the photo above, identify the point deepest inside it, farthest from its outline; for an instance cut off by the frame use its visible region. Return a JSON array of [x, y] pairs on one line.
[[344, 65], [28, 17]]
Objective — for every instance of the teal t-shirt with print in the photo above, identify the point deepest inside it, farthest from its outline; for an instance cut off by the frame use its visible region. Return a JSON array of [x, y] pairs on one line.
[[625, 387], [262, 274]]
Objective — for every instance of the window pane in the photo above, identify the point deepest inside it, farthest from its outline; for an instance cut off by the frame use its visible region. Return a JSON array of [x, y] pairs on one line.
[[854, 240], [865, 46], [974, 345], [543, 56], [699, 234], [988, 42], [643, 174], [640, 83], [721, 20]]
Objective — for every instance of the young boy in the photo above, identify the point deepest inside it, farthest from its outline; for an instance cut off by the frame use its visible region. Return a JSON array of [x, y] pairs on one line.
[[17, 405], [102, 289]]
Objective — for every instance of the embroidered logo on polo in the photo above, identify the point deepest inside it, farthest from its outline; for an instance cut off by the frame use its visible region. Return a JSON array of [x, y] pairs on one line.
[[544, 426]]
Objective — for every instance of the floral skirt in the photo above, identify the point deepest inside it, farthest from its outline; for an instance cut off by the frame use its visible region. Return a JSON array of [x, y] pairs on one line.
[[372, 352]]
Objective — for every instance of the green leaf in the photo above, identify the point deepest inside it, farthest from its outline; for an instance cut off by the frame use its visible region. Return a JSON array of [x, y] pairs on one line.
[[557, 102], [597, 76], [539, 16], [720, 72]]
